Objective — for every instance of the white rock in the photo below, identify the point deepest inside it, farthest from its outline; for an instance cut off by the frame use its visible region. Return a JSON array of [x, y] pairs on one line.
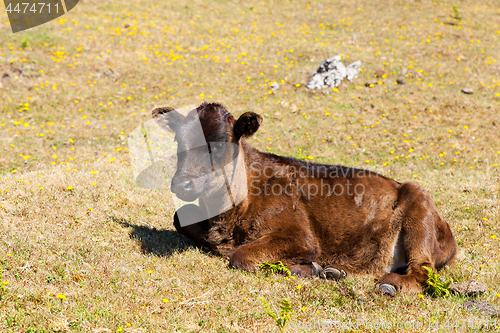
[[331, 72], [330, 64], [353, 70], [316, 82]]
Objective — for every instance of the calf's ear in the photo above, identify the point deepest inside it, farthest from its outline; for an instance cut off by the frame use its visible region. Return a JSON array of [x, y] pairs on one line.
[[247, 124], [166, 116]]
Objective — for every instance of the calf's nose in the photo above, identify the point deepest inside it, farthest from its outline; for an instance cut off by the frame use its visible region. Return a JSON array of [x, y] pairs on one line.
[[183, 187]]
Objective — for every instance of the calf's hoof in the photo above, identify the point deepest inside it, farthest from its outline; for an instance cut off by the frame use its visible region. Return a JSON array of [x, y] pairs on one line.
[[332, 273], [317, 269], [386, 288]]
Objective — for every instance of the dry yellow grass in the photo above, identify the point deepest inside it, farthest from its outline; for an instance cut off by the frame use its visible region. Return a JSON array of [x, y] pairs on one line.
[[83, 249]]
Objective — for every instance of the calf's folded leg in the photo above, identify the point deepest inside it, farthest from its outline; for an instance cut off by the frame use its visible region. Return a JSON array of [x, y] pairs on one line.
[[295, 247]]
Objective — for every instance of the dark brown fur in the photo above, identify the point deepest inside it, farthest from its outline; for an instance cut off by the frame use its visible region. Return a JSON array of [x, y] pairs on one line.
[[356, 232]]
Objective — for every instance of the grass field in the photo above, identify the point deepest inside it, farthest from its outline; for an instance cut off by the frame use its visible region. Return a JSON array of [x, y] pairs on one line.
[[83, 249]]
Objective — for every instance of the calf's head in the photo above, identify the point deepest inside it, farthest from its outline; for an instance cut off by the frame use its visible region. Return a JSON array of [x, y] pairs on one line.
[[208, 139]]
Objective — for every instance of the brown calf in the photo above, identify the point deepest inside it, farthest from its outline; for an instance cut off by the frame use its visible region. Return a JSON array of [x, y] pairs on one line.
[[317, 219]]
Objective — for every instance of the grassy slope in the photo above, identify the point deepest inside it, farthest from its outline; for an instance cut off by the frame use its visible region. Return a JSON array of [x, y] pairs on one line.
[[83, 250]]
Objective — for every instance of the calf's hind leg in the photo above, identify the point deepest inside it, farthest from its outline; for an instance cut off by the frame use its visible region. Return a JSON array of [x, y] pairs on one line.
[[428, 240]]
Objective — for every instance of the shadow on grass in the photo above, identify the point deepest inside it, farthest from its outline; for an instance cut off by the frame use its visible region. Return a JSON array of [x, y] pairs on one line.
[[162, 243]]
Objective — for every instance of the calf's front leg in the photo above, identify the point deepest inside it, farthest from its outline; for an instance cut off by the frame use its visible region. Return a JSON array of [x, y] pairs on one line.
[[293, 246]]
